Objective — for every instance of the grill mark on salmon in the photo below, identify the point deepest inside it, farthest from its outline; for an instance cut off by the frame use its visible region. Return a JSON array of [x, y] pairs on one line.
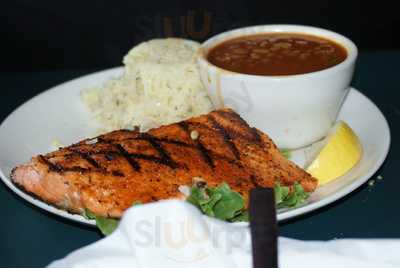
[[114, 170], [59, 169], [160, 140], [134, 164], [199, 146], [254, 181], [208, 156], [226, 137], [109, 156], [179, 143], [117, 173], [165, 158], [88, 158], [256, 136], [154, 159], [50, 165], [232, 117]]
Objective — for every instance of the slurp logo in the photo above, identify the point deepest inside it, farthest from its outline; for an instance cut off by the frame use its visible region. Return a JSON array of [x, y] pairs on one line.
[[188, 240]]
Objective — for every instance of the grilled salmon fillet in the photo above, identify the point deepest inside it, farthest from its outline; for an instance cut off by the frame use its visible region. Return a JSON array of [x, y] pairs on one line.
[[107, 174]]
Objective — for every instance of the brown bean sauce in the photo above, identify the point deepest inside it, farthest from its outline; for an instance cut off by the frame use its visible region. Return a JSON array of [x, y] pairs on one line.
[[277, 54]]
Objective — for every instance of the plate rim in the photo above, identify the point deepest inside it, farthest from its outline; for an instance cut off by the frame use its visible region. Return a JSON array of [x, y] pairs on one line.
[[283, 216]]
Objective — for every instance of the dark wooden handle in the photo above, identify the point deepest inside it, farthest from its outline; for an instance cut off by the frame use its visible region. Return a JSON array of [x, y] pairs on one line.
[[263, 228]]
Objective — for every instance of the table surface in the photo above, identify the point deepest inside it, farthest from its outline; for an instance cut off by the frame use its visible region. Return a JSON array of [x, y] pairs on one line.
[[32, 237]]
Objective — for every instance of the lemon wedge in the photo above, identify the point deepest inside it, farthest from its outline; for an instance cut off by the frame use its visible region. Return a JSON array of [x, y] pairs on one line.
[[340, 152]]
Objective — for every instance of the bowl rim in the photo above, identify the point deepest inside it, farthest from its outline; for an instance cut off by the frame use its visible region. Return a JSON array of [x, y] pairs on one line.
[[351, 48]]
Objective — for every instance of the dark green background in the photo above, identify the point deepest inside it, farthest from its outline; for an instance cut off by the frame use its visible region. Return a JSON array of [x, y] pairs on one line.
[[49, 35], [30, 237]]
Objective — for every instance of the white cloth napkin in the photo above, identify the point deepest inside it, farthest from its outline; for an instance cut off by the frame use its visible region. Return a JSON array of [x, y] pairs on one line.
[[175, 234]]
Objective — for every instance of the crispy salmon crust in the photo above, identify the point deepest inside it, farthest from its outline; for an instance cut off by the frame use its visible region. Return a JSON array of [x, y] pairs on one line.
[[107, 174]]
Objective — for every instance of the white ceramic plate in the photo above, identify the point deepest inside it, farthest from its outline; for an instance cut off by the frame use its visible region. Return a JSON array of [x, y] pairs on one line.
[[59, 114]]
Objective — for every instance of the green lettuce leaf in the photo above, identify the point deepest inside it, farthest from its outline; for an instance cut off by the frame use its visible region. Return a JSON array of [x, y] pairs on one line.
[[286, 197], [243, 216], [230, 203], [105, 225], [219, 202], [223, 203], [285, 152], [87, 214]]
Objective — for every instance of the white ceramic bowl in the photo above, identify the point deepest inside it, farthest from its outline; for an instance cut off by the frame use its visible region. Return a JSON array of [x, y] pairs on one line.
[[296, 110]]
